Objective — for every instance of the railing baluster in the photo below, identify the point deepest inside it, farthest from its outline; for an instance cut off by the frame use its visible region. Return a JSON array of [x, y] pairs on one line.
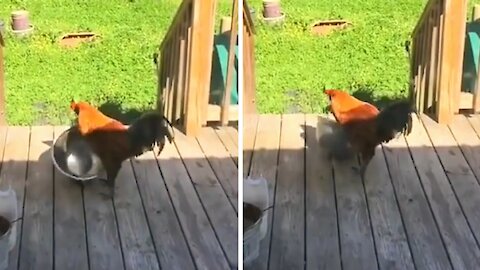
[[432, 85], [181, 70], [175, 69], [225, 108]]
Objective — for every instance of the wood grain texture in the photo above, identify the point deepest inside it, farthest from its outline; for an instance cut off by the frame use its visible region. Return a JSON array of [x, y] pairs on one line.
[[170, 243], [457, 236], [37, 233], [206, 250], [264, 164], [287, 245], [322, 238]]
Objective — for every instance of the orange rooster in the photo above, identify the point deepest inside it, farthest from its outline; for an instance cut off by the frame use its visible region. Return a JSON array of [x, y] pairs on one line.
[[111, 142], [90, 118], [366, 126]]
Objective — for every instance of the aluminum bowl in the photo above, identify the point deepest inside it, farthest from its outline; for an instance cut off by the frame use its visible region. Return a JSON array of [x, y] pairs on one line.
[[71, 145]]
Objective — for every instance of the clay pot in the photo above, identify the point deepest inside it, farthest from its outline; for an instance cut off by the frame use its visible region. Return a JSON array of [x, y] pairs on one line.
[[20, 20], [271, 9]]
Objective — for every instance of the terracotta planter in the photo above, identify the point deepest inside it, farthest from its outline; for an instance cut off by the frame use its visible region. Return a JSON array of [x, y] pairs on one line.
[[20, 20], [271, 9]]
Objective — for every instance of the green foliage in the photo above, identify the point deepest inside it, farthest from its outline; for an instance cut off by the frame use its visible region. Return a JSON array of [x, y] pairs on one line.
[[293, 66], [42, 77]]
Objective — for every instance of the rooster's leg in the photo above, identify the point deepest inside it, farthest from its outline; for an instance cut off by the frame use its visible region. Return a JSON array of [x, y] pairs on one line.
[[365, 156], [112, 173]]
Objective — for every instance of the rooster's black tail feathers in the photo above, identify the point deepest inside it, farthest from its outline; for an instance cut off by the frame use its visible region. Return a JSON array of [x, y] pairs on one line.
[[149, 130], [394, 120]]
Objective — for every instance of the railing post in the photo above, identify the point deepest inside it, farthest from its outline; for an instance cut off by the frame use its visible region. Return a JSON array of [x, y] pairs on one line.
[[249, 85], [198, 83], [225, 108], [455, 12]]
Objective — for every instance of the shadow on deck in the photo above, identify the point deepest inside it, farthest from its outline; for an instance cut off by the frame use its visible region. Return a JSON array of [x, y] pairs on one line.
[[416, 209], [174, 211]]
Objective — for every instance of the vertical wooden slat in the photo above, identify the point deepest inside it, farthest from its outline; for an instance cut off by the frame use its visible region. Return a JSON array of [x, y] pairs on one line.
[[451, 60], [169, 82], [248, 62], [209, 39], [460, 30], [412, 88], [426, 59], [441, 29], [201, 64], [432, 87], [188, 55], [419, 60], [163, 81], [181, 69], [175, 51], [476, 95], [224, 112]]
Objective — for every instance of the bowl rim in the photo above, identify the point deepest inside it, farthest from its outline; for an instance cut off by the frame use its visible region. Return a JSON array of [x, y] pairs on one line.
[[52, 154]]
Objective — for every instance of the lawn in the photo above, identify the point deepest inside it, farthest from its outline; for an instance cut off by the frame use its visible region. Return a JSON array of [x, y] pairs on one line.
[[293, 66], [42, 77]]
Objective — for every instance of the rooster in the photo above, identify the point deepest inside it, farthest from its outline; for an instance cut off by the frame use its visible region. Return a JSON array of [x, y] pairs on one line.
[[111, 142], [365, 126]]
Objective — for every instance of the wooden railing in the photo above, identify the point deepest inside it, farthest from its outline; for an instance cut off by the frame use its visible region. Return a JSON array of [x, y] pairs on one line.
[[184, 65], [248, 61], [437, 58]]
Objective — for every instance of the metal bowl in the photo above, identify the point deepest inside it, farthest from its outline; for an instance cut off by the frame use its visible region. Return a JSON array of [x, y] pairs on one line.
[[70, 150]]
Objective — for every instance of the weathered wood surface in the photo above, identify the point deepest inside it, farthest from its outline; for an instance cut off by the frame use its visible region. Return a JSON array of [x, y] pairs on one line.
[[160, 218], [416, 209]]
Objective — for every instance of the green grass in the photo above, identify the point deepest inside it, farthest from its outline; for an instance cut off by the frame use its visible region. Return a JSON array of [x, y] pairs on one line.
[[293, 66], [42, 77]]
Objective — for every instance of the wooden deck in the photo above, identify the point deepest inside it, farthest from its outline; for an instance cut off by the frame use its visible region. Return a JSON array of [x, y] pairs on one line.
[[419, 207], [174, 212]]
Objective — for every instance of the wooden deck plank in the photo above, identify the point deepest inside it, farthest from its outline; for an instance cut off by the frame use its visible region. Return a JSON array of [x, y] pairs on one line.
[[287, 245], [171, 247], [356, 239], [231, 145], [217, 206], [207, 252], [458, 171], [424, 238], [468, 140], [322, 239], [14, 173], [37, 234], [69, 221], [264, 164], [475, 123], [103, 241], [135, 238], [233, 133], [390, 238], [221, 162], [250, 123], [460, 243]]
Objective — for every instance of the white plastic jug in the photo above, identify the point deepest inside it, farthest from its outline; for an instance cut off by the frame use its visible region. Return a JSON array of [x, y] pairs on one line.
[[255, 191]]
